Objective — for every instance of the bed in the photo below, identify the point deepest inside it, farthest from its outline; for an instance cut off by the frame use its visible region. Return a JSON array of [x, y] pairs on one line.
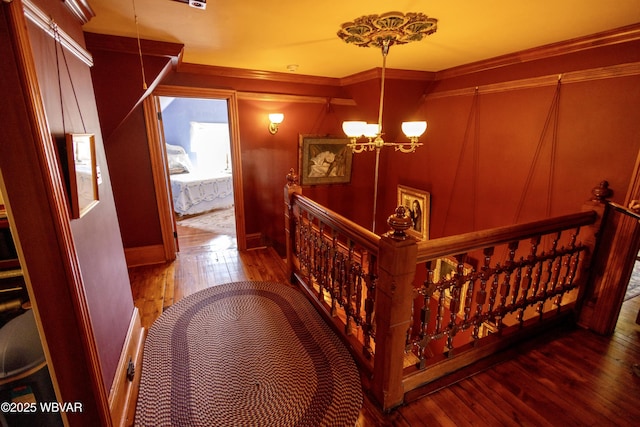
[[196, 191]]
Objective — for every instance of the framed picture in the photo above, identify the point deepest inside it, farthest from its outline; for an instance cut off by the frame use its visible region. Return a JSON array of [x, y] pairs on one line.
[[324, 160], [418, 205], [444, 269], [83, 174]]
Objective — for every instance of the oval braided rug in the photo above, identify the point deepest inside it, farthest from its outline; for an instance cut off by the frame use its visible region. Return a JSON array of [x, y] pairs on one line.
[[246, 354]]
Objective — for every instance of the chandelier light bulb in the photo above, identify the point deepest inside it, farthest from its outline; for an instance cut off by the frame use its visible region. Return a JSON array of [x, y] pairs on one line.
[[371, 130], [354, 129], [414, 129]]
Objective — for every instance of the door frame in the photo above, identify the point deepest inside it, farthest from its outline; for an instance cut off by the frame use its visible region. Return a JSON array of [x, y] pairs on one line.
[[159, 162]]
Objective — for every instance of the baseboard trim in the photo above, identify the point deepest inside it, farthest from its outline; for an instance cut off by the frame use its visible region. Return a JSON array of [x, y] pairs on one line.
[[124, 393], [144, 255], [254, 240]]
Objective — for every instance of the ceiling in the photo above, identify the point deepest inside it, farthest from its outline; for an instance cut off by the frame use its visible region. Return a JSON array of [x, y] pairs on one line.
[[273, 35]]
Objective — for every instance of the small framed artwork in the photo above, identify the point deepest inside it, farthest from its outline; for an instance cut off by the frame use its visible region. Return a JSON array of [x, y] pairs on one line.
[[324, 160], [418, 205], [83, 173]]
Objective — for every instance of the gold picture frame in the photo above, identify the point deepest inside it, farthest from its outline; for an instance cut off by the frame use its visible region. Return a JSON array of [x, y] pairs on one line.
[[83, 173], [445, 269], [418, 205], [324, 160]]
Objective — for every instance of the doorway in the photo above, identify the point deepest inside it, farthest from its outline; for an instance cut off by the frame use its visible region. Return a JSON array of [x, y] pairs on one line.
[[198, 151], [160, 161]]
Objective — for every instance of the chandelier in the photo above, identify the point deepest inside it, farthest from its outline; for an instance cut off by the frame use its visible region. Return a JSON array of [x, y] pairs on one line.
[[383, 31]]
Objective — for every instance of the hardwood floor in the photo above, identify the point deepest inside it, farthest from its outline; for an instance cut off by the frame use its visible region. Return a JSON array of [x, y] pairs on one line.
[[576, 378]]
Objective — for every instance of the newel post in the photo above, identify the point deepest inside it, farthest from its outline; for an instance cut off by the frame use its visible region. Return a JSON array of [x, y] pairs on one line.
[[598, 238], [617, 250], [394, 299], [292, 187]]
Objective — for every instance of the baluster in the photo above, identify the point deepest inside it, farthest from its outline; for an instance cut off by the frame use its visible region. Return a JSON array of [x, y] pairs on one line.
[[516, 282], [326, 262], [562, 280], [334, 260], [296, 230], [455, 287], [537, 278], [573, 262], [575, 259], [427, 291], [358, 296], [555, 275], [339, 280], [345, 288], [505, 289], [516, 291], [564, 271], [309, 246], [550, 270], [441, 301], [345, 298], [304, 253], [481, 296], [369, 306], [495, 283], [319, 256], [529, 271], [347, 304], [468, 281]]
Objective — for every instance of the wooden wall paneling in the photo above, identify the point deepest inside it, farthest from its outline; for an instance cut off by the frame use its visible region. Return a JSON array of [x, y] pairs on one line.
[[30, 170]]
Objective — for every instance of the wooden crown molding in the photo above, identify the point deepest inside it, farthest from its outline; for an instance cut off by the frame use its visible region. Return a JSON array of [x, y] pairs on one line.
[[80, 9], [241, 73], [129, 45], [607, 38], [614, 71], [375, 73], [48, 25], [275, 97], [390, 73]]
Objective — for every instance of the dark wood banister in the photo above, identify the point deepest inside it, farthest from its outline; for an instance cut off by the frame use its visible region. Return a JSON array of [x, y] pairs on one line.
[[460, 243], [397, 257], [347, 228]]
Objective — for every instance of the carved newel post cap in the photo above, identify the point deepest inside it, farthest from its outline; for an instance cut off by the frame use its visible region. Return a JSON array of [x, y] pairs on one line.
[[602, 192], [399, 223], [292, 178]]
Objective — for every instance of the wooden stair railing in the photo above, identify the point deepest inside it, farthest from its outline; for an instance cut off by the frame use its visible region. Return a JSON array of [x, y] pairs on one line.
[[413, 312]]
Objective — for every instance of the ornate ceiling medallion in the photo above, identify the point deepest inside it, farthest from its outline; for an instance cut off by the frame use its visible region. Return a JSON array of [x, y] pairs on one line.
[[392, 27]]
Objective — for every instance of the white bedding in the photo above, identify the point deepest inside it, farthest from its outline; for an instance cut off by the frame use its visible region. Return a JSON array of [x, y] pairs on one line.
[[195, 192]]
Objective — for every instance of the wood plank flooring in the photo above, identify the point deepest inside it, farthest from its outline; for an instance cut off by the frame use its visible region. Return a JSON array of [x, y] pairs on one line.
[[574, 379]]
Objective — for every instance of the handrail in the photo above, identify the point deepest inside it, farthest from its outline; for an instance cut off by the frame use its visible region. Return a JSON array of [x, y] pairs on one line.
[[461, 243], [350, 229], [624, 210]]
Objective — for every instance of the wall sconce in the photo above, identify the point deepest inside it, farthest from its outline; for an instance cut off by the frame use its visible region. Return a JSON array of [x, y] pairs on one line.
[[275, 119]]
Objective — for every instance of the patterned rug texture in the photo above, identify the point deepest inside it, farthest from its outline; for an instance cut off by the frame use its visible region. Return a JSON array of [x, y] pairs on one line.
[[246, 354], [633, 289], [218, 221]]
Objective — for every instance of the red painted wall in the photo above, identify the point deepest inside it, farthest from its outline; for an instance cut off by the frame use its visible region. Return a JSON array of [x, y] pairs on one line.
[[597, 138], [481, 184]]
